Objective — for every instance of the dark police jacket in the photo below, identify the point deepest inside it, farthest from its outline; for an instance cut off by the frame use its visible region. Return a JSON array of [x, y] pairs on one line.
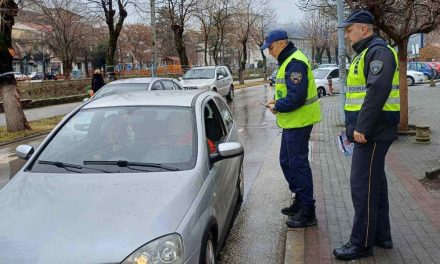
[[371, 121]]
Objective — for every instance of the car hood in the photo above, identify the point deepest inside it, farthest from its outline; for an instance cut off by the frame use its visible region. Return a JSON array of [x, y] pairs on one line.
[[196, 82], [90, 218]]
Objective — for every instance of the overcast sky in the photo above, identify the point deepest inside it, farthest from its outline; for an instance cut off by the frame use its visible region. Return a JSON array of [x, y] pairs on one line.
[[287, 11]]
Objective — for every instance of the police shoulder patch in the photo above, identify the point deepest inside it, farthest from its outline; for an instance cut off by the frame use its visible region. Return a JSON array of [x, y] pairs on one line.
[[376, 66], [296, 77]]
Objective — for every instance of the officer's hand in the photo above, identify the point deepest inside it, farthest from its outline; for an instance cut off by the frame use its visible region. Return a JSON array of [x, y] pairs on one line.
[[271, 102], [271, 106], [359, 137]]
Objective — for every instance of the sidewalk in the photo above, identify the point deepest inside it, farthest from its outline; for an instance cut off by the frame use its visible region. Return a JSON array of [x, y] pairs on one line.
[[414, 212]]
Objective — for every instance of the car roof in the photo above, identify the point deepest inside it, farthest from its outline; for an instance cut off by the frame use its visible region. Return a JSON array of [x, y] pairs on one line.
[[206, 67], [138, 80], [327, 68], [142, 98]]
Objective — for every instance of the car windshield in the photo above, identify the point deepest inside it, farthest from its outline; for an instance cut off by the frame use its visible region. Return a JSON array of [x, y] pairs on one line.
[[121, 139], [199, 74], [320, 73], [121, 88]]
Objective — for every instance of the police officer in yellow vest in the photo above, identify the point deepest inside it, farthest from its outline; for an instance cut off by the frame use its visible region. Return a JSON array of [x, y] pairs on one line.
[[296, 107], [372, 111]]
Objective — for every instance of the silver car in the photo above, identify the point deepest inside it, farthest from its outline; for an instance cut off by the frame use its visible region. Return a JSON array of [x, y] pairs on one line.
[[214, 78], [138, 84], [127, 178]]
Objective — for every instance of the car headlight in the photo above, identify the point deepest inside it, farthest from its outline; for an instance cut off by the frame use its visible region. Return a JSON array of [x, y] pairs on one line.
[[165, 250]]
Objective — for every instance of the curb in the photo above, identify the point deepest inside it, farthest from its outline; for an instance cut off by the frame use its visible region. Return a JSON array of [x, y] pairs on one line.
[[294, 240], [24, 138]]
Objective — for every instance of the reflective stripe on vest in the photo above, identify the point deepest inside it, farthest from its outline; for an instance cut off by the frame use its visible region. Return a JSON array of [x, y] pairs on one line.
[[310, 112], [356, 89]]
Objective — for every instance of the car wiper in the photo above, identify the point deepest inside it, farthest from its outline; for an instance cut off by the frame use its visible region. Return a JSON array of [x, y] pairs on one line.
[[68, 166], [125, 163]]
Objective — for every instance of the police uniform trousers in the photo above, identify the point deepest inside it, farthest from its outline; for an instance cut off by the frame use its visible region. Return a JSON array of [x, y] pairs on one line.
[[369, 193], [295, 163]]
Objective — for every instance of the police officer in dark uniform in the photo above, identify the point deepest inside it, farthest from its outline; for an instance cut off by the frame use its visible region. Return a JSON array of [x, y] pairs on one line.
[[296, 107], [372, 111]]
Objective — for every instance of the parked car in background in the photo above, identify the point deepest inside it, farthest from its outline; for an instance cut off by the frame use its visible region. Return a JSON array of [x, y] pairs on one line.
[[214, 78], [76, 74], [272, 77], [47, 76], [422, 67], [127, 178], [327, 65], [322, 76], [436, 67], [138, 84], [20, 76], [415, 77]]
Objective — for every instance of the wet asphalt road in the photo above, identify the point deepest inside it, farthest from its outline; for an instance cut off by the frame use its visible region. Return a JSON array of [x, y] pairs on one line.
[[257, 133]]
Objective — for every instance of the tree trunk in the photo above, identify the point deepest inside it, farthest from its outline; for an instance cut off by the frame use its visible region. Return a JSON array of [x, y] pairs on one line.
[[15, 118], [264, 64], [242, 68], [337, 55], [67, 68], [112, 44], [329, 55], [403, 84], [180, 46], [319, 52], [206, 50], [313, 56]]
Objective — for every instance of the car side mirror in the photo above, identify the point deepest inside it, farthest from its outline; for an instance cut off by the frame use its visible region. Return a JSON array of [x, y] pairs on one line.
[[24, 151], [85, 100], [227, 151], [220, 77]]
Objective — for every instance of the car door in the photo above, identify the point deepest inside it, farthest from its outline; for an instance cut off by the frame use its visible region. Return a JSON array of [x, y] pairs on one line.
[[219, 178], [227, 79]]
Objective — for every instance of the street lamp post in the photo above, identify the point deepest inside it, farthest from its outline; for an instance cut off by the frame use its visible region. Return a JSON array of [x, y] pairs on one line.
[[342, 60]]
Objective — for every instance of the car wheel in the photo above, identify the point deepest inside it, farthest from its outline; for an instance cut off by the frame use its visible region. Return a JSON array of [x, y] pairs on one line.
[[230, 95], [207, 254], [410, 80], [321, 92]]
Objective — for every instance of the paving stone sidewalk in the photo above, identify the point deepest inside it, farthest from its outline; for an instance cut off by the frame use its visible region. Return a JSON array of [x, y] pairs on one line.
[[414, 212]]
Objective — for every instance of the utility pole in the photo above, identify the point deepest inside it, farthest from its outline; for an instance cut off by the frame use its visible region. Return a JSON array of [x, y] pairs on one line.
[[153, 36], [342, 60]]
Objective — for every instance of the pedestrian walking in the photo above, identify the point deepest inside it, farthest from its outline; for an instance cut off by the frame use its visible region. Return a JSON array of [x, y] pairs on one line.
[[296, 107], [97, 82], [372, 112]]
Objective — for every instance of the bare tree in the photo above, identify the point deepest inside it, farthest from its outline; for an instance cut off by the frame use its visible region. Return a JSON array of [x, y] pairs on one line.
[[266, 22], [224, 11], [204, 12], [15, 118], [114, 13], [178, 12], [64, 27], [135, 39], [245, 21]]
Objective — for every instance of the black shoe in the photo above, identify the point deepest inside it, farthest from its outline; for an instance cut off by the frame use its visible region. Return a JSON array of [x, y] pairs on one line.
[[292, 210], [351, 252], [388, 244], [306, 217]]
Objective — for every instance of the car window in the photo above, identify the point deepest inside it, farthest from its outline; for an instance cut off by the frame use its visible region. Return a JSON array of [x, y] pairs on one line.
[[177, 86], [225, 113], [225, 72], [120, 88], [214, 126], [200, 73], [334, 74], [156, 86], [168, 85], [320, 73], [161, 135]]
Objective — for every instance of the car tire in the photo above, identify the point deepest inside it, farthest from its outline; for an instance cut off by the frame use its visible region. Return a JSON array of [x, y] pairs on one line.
[[230, 95], [207, 251], [410, 80], [321, 92]]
